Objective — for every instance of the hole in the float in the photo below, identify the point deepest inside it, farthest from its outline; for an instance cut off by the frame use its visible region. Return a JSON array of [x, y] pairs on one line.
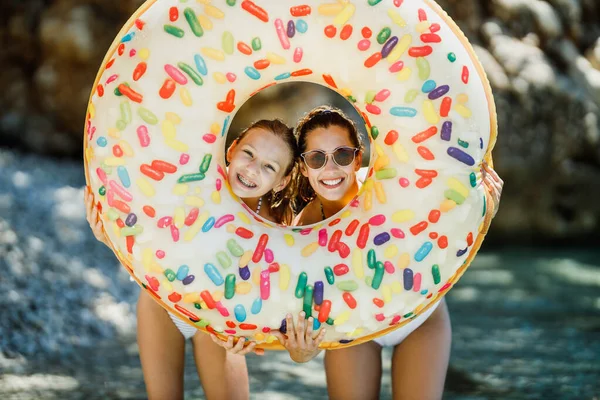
[[258, 153]]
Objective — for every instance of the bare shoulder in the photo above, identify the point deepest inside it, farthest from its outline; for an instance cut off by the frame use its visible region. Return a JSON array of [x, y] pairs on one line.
[[307, 216]]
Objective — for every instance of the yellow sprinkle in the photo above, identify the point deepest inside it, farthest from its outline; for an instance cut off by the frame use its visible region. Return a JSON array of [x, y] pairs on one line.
[[213, 11], [380, 193], [390, 251], [289, 239], [429, 111], [345, 15], [309, 249], [198, 190], [117, 230], [126, 147], [174, 118], [400, 48], [356, 332], [256, 275], [143, 53], [259, 337], [196, 226], [191, 297], [231, 228], [396, 287], [343, 317], [243, 288], [462, 110], [462, 98], [179, 217], [215, 128], [404, 75], [455, 184], [177, 145], [180, 189], [396, 18], [275, 59], [186, 98], [330, 9], [201, 1], [403, 260], [145, 187], [381, 162], [89, 154], [387, 293], [345, 92], [205, 22], [219, 78], [166, 284], [114, 161], [400, 152], [242, 215], [379, 150], [217, 295], [368, 184], [213, 54], [245, 258], [419, 308], [403, 216], [368, 202], [156, 268], [114, 133], [203, 305], [92, 110], [147, 258], [216, 197], [357, 263], [346, 214], [422, 26], [168, 129], [194, 201], [284, 277], [271, 339], [447, 205]]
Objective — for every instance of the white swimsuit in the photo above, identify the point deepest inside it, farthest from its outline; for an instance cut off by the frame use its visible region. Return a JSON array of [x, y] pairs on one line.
[[186, 329], [396, 337]]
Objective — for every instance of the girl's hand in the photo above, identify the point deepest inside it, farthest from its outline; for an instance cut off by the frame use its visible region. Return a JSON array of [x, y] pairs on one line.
[[239, 348], [299, 340], [93, 219], [493, 184]]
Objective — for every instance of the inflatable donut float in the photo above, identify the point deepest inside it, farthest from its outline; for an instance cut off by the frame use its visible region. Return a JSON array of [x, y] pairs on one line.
[[155, 130]]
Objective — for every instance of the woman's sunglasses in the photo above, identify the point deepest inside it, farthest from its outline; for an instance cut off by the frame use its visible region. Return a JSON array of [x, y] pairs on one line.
[[342, 156]]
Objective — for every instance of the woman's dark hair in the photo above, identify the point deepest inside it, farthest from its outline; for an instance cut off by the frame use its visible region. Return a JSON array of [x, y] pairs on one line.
[[319, 117], [280, 202]]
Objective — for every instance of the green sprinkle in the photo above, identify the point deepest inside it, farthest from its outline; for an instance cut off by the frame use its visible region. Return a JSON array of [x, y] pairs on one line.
[[191, 177], [386, 173], [308, 300], [126, 112], [193, 22], [112, 214], [191, 73], [205, 163], [484, 206], [175, 31], [435, 271], [231, 3], [229, 286], [234, 248], [368, 280], [352, 99], [121, 125], [411, 95], [132, 231], [384, 35], [223, 259], [102, 191], [256, 44], [348, 286], [147, 115], [198, 306], [227, 42], [118, 92], [329, 275], [407, 315], [374, 2], [473, 179], [451, 57], [170, 274], [329, 321], [374, 132], [424, 68], [378, 277], [452, 194], [462, 143], [301, 285], [371, 258], [202, 323], [370, 96]]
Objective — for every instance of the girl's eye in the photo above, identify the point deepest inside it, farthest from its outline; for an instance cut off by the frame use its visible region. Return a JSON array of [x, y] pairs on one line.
[[271, 167], [248, 152]]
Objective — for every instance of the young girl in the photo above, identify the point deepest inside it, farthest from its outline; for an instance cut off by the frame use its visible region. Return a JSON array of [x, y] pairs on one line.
[[331, 152], [261, 163]]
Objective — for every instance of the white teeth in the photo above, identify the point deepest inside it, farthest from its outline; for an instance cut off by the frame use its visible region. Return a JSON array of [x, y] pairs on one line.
[[246, 182], [331, 182]]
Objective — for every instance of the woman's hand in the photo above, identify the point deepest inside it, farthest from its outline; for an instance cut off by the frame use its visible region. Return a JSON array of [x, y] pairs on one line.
[[91, 212], [299, 339], [239, 347], [493, 184]]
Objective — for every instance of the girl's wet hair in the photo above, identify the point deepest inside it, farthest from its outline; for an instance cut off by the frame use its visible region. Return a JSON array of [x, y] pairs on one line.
[[280, 202], [320, 117]]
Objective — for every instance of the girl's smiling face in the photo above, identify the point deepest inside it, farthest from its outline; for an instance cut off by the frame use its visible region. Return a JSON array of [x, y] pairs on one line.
[[258, 163]]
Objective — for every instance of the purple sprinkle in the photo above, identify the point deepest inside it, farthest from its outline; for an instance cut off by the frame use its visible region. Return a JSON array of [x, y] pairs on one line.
[[462, 252], [188, 279], [438, 92], [131, 219], [389, 46], [318, 292], [283, 327], [481, 143], [408, 279], [291, 29], [446, 130], [245, 273], [381, 238], [461, 156], [344, 341]]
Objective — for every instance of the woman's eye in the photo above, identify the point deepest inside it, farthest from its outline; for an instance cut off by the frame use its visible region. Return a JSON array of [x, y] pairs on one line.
[[248, 152]]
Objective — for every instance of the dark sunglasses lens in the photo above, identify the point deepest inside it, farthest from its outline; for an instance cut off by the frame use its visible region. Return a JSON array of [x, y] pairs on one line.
[[315, 159], [344, 156]]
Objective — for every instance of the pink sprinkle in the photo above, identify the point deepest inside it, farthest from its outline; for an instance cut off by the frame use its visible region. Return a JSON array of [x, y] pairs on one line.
[[417, 282], [102, 175], [269, 257], [184, 158], [395, 320], [305, 231], [379, 317], [231, 77], [112, 78], [143, 136], [160, 254], [219, 184], [223, 220], [230, 331], [110, 197], [364, 44], [355, 203], [266, 329], [164, 222], [323, 237], [404, 182], [222, 309], [373, 109], [398, 233], [397, 66], [132, 52], [298, 53], [220, 171], [377, 220], [209, 138], [174, 233], [389, 267], [92, 131], [382, 95], [120, 191], [176, 74]]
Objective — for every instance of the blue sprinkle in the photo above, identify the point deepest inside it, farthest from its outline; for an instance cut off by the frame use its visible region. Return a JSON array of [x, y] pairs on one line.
[[208, 224], [428, 86], [460, 155], [344, 341], [285, 75], [301, 26], [124, 176], [403, 111], [200, 64], [423, 251], [225, 124], [252, 73], [256, 306], [101, 141], [128, 37], [408, 279], [188, 279], [318, 292], [438, 92], [182, 272], [245, 273], [316, 324], [424, 291], [214, 274], [131, 219], [382, 238], [462, 252], [240, 313], [481, 143], [283, 327]]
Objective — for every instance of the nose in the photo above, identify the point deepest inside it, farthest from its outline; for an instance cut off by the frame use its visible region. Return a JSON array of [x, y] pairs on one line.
[[329, 163], [252, 168]]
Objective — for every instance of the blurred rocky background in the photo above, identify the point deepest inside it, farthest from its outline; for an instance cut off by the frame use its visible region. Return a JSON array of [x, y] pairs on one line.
[[526, 321]]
